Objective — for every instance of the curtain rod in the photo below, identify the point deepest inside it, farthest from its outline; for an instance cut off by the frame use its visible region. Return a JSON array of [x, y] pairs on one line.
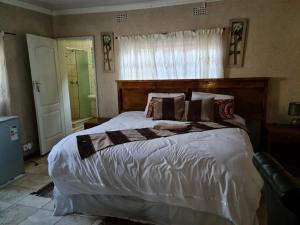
[[224, 28]]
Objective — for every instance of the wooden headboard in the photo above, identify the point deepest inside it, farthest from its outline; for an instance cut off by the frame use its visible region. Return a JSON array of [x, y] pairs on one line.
[[250, 94]]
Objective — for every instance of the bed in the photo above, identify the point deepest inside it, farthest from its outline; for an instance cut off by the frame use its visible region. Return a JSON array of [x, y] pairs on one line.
[[202, 178]]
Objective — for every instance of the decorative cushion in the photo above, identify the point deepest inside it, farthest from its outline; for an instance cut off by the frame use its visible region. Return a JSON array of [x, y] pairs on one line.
[[224, 104], [168, 108], [199, 110], [161, 95], [224, 109]]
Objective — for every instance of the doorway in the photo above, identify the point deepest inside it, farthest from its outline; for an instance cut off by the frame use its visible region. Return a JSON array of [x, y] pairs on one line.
[[78, 66]]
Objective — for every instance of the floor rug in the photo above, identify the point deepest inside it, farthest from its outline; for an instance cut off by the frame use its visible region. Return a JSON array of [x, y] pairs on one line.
[[116, 221], [46, 191]]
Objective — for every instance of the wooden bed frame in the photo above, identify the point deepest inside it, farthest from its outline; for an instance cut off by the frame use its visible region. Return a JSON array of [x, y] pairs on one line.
[[250, 96]]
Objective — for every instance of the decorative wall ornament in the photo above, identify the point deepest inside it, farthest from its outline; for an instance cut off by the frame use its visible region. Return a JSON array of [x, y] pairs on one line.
[[237, 42], [107, 39]]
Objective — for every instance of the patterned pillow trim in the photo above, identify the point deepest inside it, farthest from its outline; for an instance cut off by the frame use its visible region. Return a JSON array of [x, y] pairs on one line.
[[224, 109], [150, 107]]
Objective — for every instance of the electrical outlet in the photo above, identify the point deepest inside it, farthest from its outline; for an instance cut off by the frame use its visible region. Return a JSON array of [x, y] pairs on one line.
[[27, 147]]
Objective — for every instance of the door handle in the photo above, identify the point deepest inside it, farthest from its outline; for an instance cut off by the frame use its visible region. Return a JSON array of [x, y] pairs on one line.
[[36, 86]]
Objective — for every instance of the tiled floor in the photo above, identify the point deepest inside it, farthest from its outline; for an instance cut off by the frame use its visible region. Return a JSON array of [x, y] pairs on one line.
[[18, 207]]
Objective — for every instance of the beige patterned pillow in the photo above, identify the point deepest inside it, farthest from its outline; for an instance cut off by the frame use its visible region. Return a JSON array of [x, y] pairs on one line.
[[199, 110], [168, 108]]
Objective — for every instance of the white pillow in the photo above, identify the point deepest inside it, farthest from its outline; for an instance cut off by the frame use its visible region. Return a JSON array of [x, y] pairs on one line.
[[161, 95], [204, 95]]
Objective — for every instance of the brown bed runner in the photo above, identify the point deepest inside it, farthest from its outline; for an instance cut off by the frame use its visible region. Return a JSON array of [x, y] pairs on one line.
[[90, 144]]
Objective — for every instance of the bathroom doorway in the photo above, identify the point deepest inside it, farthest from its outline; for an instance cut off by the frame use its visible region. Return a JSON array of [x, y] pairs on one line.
[[78, 59]]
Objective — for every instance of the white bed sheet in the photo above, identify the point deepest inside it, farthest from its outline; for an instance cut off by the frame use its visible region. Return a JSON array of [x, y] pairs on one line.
[[208, 171]]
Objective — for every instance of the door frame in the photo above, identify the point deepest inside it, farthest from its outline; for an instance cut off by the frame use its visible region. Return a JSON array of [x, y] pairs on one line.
[[64, 76]]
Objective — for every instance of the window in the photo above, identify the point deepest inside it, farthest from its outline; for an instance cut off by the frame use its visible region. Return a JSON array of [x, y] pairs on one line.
[[176, 55], [4, 92]]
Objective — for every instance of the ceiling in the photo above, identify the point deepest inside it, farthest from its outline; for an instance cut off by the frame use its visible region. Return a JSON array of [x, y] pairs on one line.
[[65, 7]]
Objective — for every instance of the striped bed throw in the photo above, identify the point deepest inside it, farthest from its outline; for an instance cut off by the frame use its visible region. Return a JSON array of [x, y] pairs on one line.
[[90, 144]]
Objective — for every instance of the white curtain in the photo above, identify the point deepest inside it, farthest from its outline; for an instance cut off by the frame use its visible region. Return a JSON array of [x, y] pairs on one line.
[[176, 55], [4, 88]]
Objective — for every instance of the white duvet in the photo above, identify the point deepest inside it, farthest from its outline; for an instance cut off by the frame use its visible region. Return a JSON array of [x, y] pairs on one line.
[[208, 171]]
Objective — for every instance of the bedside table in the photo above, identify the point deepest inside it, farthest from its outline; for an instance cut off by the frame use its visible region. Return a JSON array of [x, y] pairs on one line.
[[283, 142], [95, 122]]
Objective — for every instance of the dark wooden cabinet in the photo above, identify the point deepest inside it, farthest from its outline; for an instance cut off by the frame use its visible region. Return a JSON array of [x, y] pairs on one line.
[[95, 122], [283, 143]]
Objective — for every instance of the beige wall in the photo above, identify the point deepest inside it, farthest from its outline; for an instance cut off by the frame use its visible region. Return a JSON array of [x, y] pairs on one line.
[[21, 21], [273, 46]]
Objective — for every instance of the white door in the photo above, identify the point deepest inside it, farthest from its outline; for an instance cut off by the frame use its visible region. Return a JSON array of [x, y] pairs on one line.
[[48, 93]]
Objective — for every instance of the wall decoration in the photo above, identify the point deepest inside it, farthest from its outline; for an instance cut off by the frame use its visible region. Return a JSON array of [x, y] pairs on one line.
[[237, 41], [107, 39]]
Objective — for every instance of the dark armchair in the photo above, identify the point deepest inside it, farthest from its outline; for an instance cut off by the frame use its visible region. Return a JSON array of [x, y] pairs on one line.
[[282, 191]]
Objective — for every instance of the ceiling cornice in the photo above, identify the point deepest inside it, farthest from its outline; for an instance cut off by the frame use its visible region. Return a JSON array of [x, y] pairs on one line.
[[101, 9], [127, 7], [28, 6]]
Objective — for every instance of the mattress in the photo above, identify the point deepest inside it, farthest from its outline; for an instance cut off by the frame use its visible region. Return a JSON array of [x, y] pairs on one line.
[[209, 172]]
